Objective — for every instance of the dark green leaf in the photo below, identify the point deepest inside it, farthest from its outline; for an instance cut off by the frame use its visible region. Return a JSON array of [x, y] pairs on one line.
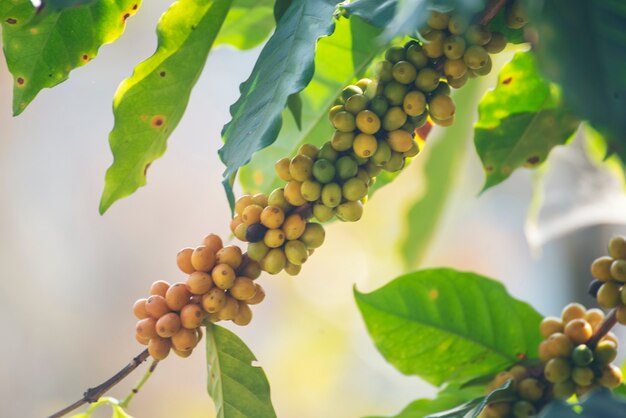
[[238, 389], [600, 403], [52, 6], [280, 6], [294, 104], [582, 46], [449, 326], [376, 12], [339, 60], [284, 67], [247, 24], [520, 121], [42, 55], [149, 104], [473, 408], [443, 160]]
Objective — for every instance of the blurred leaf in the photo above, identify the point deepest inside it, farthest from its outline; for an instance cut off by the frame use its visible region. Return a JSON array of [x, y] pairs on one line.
[[43, 54], [449, 326], [498, 24], [148, 105], [248, 23], [340, 59], [473, 408], [443, 162], [294, 104], [594, 85], [520, 121], [376, 12], [117, 410], [447, 398], [238, 389], [280, 6], [284, 67], [599, 403]]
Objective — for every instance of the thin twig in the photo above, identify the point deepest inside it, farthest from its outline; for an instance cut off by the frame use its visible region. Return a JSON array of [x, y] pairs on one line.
[[139, 385], [93, 394], [604, 328], [491, 11]]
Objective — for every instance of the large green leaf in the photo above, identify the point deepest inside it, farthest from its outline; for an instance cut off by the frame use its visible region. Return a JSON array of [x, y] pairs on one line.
[[14, 14], [449, 326], [339, 60], [238, 389], [116, 410], [582, 46], [248, 23], [148, 105], [520, 121], [284, 67], [443, 161], [43, 53]]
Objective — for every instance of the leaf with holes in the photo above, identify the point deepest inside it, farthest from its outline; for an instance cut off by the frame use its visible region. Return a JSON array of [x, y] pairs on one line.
[[520, 121], [248, 23], [238, 389], [339, 60], [564, 29], [148, 105], [42, 54], [284, 67], [449, 326]]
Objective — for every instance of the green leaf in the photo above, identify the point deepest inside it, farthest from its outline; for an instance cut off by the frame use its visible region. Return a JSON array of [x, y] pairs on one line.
[[443, 161], [280, 6], [582, 46], [14, 14], [248, 24], [376, 12], [42, 54], [340, 59], [294, 104], [148, 105], [116, 409], [238, 389], [52, 6], [449, 326], [473, 408], [284, 67], [520, 121]]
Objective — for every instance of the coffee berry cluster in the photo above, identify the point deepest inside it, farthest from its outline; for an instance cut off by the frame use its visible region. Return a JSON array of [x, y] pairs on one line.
[[375, 122], [610, 275], [220, 286], [529, 393]]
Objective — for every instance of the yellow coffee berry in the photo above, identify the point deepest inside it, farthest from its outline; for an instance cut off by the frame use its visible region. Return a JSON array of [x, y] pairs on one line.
[[191, 316], [244, 314], [156, 306], [159, 347], [183, 260], [168, 325], [213, 300], [230, 255], [203, 258], [243, 289], [177, 296], [139, 309], [258, 297], [272, 217]]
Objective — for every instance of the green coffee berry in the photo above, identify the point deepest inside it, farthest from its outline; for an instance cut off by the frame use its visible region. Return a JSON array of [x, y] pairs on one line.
[[313, 236], [441, 106], [582, 376], [300, 167], [383, 71], [414, 103], [346, 167], [457, 24], [415, 55], [454, 47], [394, 92], [344, 121], [394, 119], [323, 171], [563, 390], [438, 20], [356, 103], [433, 45], [475, 57], [331, 194], [605, 352], [350, 91], [515, 15], [601, 268], [617, 247], [395, 163], [379, 105], [404, 72], [274, 261], [323, 213], [342, 141], [557, 370], [427, 79], [582, 355], [354, 189], [496, 44], [394, 54], [609, 295], [382, 154], [350, 211], [618, 270], [311, 190], [296, 252], [327, 152], [478, 35]]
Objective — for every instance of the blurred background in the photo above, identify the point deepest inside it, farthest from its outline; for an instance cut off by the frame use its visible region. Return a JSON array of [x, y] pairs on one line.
[[69, 277]]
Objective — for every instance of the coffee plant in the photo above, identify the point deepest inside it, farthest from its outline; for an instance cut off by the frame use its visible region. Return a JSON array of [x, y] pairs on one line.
[[358, 126]]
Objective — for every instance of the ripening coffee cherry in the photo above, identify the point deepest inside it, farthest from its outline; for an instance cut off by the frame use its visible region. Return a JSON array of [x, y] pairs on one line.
[[199, 282], [365, 145], [394, 119], [593, 288], [414, 103], [139, 309], [323, 172], [183, 260], [601, 268], [476, 58], [395, 163], [478, 35], [296, 252], [159, 347], [300, 168], [515, 15], [241, 232], [247, 200], [331, 194], [595, 317], [230, 255], [156, 306], [573, 311], [258, 297], [177, 296], [617, 247], [354, 189], [609, 295], [282, 170], [355, 104], [496, 44], [578, 330], [313, 235], [382, 154], [582, 376], [404, 72], [549, 325], [454, 47], [427, 79], [168, 325], [530, 389], [437, 20], [191, 316], [350, 211], [159, 288], [342, 141], [441, 106], [274, 238], [243, 288], [274, 261], [185, 339], [454, 68], [294, 226], [605, 352], [309, 150], [344, 121], [244, 314], [524, 409], [323, 213], [557, 370], [142, 340], [203, 258], [293, 193], [182, 354], [213, 300], [259, 199], [311, 190], [399, 140], [618, 270], [611, 376], [230, 309], [457, 83], [146, 328], [213, 242], [223, 276], [249, 268], [559, 345], [433, 45], [564, 390], [544, 351], [415, 55]]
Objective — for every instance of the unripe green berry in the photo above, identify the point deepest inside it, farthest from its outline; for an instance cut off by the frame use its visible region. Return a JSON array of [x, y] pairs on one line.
[[356, 103], [605, 352], [394, 92], [557, 370], [350, 91], [609, 295], [311, 190], [350, 211], [524, 409], [323, 171], [296, 252], [383, 71], [496, 44], [582, 376], [342, 141], [327, 152], [394, 54], [344, 121], [601, 268], [582, 355], [354, 189], [404, 72], [394, 119], [530, 389], [618, 270], [323, 213], [427, 79], [564, 390], [331, 195], [475, 57], [433, 45], [379, 105], [441, 106], [346, 167], [438, 20], [313, 236], [617, 247], [477, 35], [415, 55], [515, 15]]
